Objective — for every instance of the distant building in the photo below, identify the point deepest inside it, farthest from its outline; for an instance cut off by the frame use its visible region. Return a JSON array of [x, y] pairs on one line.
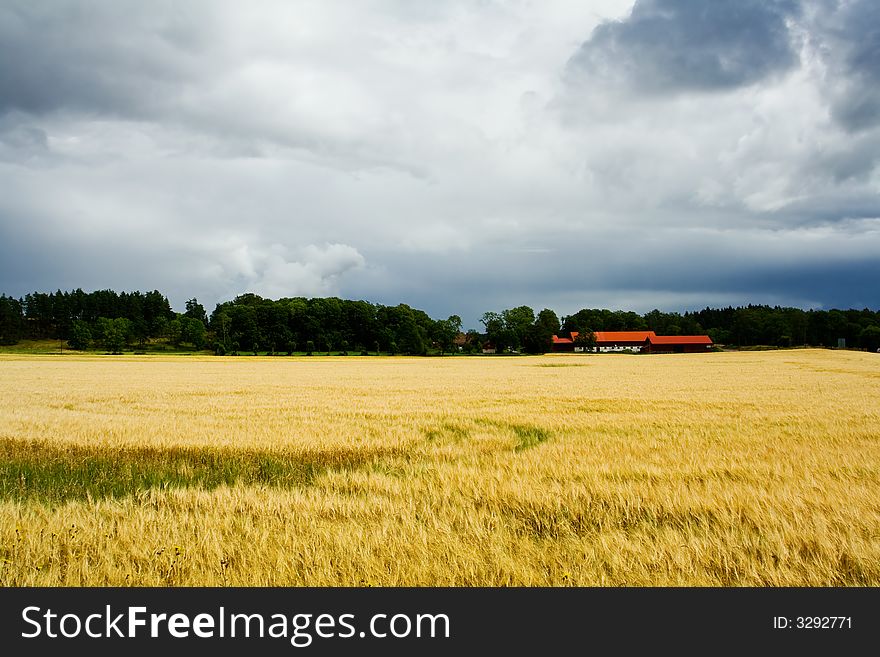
[[605, 341], [637, 341], [563, 344], [678, 344]]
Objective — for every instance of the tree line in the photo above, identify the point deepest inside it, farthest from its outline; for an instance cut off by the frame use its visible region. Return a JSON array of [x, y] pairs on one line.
[[250, 324], [520, 329]]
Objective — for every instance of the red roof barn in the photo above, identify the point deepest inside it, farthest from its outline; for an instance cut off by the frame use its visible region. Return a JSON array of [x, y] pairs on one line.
[[606, 341], [642, 341], [620, 340], [671, 344], [563, 344]]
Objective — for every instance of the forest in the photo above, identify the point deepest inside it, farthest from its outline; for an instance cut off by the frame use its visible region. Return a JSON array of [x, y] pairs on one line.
[[113, 321]]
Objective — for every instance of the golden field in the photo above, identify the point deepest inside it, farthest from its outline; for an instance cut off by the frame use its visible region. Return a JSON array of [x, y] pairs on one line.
[[752, 468]]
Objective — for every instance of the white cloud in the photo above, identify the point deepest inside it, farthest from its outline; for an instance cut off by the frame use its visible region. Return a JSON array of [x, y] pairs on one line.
[[232, 266]]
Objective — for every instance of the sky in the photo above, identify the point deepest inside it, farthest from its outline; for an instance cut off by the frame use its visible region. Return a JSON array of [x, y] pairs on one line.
[[458, 156]]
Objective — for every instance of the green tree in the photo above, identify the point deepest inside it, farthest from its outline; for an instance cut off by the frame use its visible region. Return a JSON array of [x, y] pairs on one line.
[[410, 337], [869, 337], [156, 312], [195, 310], [39, 311], [115, 333], [174, 332], [586, 339], [80, 336], [719, 336], [220, 324], [496, 333], [444, 332], [243, 327], [539, 338], [192, 331], [11, 320], [517, 323], [405, 327]]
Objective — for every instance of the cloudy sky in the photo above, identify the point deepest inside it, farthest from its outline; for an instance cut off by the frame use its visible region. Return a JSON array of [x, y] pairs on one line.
[[459, 156]]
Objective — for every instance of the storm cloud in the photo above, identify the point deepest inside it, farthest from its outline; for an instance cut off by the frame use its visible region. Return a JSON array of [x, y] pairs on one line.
[[850, 36], [684, 45], [456, 156]]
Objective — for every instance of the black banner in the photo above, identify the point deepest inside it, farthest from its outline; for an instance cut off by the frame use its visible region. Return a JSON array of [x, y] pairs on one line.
[[434, 621]]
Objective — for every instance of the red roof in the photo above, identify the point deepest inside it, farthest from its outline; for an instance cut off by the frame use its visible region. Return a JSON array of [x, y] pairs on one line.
[[680, 339], [557, 340], [623, 336]]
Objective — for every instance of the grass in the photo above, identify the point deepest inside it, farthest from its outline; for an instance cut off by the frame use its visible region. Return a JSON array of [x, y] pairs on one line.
[[32, 470], [528, 437], [34, 347], [163, 348], [61, 348], [722, 469]]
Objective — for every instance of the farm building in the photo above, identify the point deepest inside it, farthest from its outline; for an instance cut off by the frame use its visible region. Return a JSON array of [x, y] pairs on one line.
[[563, 344], [680, 344], [621, 340], [638, 341], [605, 341]]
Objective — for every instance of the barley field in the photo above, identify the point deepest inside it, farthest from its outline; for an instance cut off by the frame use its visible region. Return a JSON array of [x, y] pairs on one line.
[[730, 469]]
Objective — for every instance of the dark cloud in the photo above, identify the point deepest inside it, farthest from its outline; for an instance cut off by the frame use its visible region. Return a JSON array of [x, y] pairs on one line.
[[830, 284], [682, 45], [22, 142], [849, 35], [840, 208], [96, 58], [675, 271], [242, 90]]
